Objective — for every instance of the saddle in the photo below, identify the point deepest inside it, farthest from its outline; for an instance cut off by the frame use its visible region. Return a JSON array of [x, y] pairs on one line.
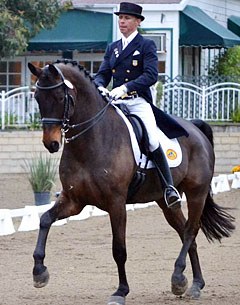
[[143, 142], [167, 124]]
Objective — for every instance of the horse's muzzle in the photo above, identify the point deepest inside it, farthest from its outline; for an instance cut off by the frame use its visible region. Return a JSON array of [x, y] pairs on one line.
[[54, 147], [52, 138]]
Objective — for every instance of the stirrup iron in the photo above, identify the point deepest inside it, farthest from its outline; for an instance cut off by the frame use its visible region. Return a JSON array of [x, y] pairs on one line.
[[174, 203]]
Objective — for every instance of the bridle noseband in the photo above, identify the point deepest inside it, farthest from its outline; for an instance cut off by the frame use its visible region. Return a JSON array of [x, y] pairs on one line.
[[68, 99]]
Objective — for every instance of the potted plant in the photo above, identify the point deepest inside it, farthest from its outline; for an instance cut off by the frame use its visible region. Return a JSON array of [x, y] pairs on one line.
[[42, 171], [236, 169]]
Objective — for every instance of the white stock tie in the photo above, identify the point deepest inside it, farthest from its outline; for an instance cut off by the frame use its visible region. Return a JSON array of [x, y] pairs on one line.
[[124, 43]]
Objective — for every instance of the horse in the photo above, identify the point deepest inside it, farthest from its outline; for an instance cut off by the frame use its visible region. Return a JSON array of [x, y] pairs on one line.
[[97, 166]]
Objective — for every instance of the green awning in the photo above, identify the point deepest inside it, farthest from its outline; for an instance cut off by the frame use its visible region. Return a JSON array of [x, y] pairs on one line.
[[80, 30], [234, 24], [198, 29]]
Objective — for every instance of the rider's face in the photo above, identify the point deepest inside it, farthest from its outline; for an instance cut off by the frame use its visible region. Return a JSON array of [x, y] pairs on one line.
[[128, 24]]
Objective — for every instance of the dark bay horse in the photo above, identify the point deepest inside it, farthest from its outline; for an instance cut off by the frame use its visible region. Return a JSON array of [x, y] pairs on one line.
[[97, 166]]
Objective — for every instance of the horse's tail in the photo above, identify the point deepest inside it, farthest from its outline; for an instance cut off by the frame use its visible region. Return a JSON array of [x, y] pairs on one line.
[[205, 128], [215, 221]]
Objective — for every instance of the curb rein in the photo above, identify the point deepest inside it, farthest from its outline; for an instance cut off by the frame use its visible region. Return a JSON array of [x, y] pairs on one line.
[[68, 98]]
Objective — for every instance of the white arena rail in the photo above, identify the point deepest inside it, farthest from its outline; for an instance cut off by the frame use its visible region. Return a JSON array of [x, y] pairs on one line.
[[30, 214]]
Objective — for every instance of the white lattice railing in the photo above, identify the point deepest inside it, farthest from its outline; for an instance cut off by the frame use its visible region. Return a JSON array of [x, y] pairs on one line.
[[214, 103], [218, 102], [18, 108]]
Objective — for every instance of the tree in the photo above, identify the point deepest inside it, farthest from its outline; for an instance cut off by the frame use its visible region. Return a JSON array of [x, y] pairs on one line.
[[20, 20], [228, 63]]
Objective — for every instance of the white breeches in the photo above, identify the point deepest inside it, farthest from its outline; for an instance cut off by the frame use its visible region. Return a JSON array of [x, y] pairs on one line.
[[143, 109]]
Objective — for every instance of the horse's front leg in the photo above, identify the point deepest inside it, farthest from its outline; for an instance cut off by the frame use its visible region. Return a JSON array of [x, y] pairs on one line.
[[63, 208], [118, 223], [40, 272]]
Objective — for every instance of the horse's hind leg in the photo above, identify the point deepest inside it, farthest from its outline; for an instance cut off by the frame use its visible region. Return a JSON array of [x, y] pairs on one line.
[[195, 207], [179, 282], [118, 223], [177, 221], [58, 211], [198, 281]]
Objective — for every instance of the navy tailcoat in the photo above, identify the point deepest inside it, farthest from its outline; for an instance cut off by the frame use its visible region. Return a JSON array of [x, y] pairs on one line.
[[136, 67]]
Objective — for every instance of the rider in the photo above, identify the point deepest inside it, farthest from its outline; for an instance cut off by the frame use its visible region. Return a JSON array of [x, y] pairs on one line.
[[132, 63]]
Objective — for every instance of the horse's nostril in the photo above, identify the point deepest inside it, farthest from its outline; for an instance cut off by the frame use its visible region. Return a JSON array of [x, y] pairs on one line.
[[54, 146]]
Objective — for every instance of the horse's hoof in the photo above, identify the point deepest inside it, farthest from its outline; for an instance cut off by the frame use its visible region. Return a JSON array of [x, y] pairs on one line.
[[179, 288], [116, 300], [41, 280], [193, 292]]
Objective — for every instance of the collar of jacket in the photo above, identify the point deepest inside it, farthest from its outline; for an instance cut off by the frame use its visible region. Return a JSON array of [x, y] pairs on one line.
[[133, 45]]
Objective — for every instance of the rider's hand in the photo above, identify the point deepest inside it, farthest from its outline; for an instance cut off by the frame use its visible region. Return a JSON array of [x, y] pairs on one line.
[[103, 91], [118, 92]]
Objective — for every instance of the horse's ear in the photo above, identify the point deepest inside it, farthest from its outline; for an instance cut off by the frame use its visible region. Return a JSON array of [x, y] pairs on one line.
[[53, 70], [35, 70]]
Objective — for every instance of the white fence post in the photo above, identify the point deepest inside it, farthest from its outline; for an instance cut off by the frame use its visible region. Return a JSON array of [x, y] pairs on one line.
[[203, 102], [3, 109]]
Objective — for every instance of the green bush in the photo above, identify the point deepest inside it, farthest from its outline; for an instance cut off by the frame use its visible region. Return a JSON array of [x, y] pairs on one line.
[[236, 115], [8, 120], [228, 63]]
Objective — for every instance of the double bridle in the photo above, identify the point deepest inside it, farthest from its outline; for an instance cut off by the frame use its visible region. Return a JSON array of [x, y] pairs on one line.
[[68, 99]]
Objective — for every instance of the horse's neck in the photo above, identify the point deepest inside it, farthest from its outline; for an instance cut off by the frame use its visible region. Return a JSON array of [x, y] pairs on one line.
[[89, 108], [88, 105]]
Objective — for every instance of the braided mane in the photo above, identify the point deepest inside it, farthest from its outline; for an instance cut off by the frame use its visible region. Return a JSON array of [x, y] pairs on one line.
[[74, 63], [81, 68]]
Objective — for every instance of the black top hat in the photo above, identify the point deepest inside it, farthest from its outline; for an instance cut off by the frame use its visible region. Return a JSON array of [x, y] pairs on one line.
[[130, 9]]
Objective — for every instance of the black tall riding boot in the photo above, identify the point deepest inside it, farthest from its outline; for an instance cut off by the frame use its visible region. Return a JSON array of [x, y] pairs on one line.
[[171, 195]]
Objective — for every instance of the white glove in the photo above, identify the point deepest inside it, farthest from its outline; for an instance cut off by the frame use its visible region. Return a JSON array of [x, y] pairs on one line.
[[103, 91], [118, 92]]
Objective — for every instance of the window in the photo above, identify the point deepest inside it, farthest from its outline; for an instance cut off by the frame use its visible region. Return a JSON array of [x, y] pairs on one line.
[[96, 66], [160, 41], [90, 61], [10, 74], [162, 67], [91, 66], [86, 65]]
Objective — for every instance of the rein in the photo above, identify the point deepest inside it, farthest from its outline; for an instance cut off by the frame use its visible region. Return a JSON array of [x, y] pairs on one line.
[[67, 99], [92, 121]]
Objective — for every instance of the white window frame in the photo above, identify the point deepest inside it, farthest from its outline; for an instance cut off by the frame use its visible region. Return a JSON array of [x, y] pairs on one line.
[[9, 86], [159, 39]]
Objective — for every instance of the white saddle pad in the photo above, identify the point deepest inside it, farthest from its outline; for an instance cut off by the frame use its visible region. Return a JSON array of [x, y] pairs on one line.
[[170, 147]]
